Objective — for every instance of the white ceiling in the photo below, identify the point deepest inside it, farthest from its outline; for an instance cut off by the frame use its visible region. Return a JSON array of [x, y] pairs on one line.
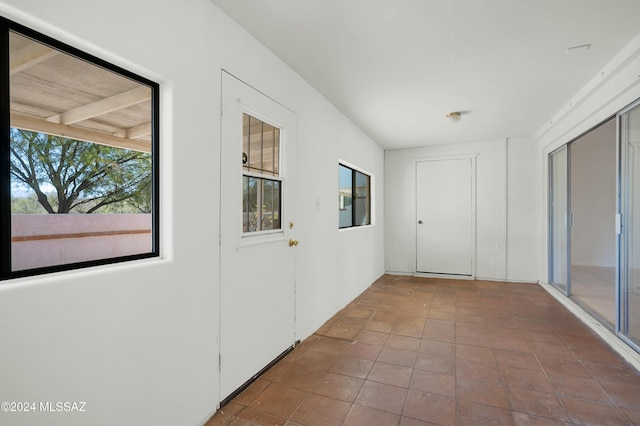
[[397, 67]]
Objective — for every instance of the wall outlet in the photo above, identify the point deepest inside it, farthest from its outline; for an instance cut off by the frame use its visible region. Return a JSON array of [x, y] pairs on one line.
[[500, 247]]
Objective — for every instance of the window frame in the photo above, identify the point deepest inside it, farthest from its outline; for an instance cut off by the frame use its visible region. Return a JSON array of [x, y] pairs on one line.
[[253, 236], [6, 272], [251, 175], [354, 172]]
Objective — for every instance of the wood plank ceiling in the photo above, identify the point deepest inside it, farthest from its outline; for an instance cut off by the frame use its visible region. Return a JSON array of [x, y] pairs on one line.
[[56, 93]]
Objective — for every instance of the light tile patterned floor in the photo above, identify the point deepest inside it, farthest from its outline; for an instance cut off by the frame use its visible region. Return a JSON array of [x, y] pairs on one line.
[[417, 351]]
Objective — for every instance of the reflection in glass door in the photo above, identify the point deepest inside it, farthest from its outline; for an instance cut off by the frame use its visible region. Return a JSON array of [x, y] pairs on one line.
[[582, 207], [629, 131], [592, 189], [559, 220]]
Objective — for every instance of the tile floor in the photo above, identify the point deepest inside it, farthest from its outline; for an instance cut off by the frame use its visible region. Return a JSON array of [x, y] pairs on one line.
[[417, 351], [595, 287]]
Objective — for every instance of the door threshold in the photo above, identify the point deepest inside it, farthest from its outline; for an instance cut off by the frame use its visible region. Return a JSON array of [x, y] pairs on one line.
[[249, 382]]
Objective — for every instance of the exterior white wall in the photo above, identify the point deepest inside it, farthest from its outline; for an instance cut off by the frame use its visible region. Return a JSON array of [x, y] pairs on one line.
[[613, 88], [138, 342]]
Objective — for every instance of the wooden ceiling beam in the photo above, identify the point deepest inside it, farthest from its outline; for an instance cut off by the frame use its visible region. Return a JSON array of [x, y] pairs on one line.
[[135, 132], [34, 124], [28, 56], [103, 106]]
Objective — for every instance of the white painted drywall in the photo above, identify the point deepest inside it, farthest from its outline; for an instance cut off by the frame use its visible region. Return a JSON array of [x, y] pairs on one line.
[[138, 342], [523, 210]]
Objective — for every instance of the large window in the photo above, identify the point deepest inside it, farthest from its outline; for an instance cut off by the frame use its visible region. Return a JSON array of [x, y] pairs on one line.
[[354, 197], [261, 182], [79, 169]]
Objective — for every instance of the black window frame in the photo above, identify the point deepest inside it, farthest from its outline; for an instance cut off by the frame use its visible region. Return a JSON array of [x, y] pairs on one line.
[[7, 26], [354, 173]]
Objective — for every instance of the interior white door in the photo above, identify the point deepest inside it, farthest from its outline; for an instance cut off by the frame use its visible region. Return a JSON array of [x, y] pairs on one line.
[[257, 290], [444, 216]]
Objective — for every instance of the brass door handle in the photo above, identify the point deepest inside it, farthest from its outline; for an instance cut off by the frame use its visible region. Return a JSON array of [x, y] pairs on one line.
[[293, 243]]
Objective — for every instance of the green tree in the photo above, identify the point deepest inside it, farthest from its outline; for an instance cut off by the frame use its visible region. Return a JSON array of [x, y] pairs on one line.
[[26, 205], [86, 176]]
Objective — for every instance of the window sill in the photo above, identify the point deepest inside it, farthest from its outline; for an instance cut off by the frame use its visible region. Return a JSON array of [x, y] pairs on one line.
[[356, 227]]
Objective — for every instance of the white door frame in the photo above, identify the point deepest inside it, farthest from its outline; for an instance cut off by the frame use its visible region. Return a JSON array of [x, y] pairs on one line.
[[473, 158], [257, 270]]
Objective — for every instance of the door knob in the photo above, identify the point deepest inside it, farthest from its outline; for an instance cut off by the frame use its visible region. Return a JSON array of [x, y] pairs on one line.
[[293, 243], [419, 222]]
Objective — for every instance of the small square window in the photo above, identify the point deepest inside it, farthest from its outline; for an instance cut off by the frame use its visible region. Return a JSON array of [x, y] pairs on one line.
[[354, 197]]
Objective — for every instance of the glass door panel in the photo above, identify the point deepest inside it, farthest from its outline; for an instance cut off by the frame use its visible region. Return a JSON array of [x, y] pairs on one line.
[[592, 186], [630, 237], [559, 220]]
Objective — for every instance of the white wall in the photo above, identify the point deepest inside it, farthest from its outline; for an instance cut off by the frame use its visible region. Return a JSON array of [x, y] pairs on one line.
[[138, 341], [492, 208], [333, 267], [610, 90], [523, 210]]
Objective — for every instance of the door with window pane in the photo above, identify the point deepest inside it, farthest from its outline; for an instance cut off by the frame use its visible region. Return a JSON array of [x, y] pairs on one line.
[[257, 249]]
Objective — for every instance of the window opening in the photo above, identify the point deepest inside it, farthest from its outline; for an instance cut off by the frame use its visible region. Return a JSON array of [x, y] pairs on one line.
[[261, 181], [81, 174], [354, 197]]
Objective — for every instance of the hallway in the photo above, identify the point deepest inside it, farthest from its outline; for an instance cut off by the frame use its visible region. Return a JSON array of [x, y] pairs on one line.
[[420, 351]]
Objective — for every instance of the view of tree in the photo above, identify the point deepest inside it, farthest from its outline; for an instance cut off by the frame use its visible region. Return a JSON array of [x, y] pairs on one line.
[[269, 193], [85, 176], [26, 205]]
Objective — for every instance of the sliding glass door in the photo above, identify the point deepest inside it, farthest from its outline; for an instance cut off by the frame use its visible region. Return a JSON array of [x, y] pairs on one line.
[[582, 211], [594, 222], [629, 130], [592, 193], [559, 219]]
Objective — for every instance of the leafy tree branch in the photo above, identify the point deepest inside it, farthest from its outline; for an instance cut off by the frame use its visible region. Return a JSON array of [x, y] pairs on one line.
[[83, 174]]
